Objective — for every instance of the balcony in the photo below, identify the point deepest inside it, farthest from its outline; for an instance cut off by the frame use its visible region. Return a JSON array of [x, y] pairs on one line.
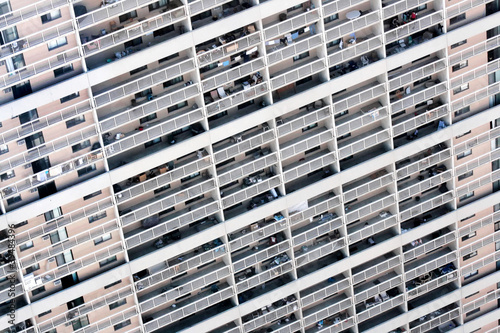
[[336, 323], [271, 313], [378, 308], [325, 309], [413, 73], [430, 200], [323, 290], [421, 94], [308, 140], [245, 167], [489, 297], [374, 267], [422, 183], [362, 46], [241, 94], [370, 228], [424, 21], [487, 45], [147, 80], [477, 140], [175, 267], [302, 119], [357, 96], [238, 194], [246, 281], [391, 8], [435, 155], [317, 249], [416, 287], [39, 67], [28, 11], [345, 27], [298, 46], [476, 96], [198, 6], [217, 79], [429, 243], [377, 286], [369, 206], [333, 7], [436, 319], [479, 71], [10, 287], [188, 306], [244, 142], [181, 287], [429, 262], [424, 116], [259, 253], [363, 186], [296, 72], [297, 21], [257, 232], [310, 163], [316, 207]]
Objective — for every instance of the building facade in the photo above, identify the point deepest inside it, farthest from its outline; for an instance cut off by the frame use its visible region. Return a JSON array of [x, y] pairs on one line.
[[249, 166]]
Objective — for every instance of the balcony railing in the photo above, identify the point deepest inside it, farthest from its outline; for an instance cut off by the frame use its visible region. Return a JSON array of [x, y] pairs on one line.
[[426, 205], [157, 77], [376, 269], [66, 219], [477, 183], [421, 119], [290, 24], [12, 288], [157, 104], [367, 187], [251, 191], [413, 74], [478, 161], [357, 97], [425, 185], [49, 147], [328, 310], [50, 63], [110, 321], [294, 49], [424, 163], [489, 297], [419, 24], [429, 246], [315, 230], [419, 97], [52, 173], [257, 235], [24, 43], [37, 8], [477, 140], [237, 98], [68, 243], [363, 142], [185, 288], [302, 120], [336, 6], [476, 96], [464, 6], [431, 285], [246, 168], [133, 31], [480, 243], [269, 317], [179, 172], [307, 141], [360, 119], [401, 6], [153, 131], [43, 122], [226, 50], [377, 289], [322, 293], [297, 73], [314, 210], [314, 162], [245, 145], [379, 308], [342, 326], [474, 266], [260, 256], [318, 251], [370, 207], [171, 271], [353, 51], [372, 229], [223, 78], [477, 72], [481, 47], [490, 219], [351, 26], [263, 277], [430, 265], [437, 321], [198, 6]]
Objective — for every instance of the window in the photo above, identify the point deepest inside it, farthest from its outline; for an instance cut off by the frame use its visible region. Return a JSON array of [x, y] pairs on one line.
[[161, 189], [471, 274], [137, 70], [463, 134], [97, 217], [107, 261], [462, 111], [291, 9], [20, 224], [102, 239], [147, 118], [52, 214], [468, 217], [86, 170], [8, 175], [112, 284], [122, 325], [133, 42], [4, 7], [464, 154], [58, 42], [128, 16], [460, 65], [176, 80], [91, 195], [422, 80], [44, 313], [470, 255], [4, 149], [469, 296], [497, 226], [152, 142], [25, 246], [157, 5], [309, 127], [185, 179], [177, 106], [465, 175], [466, 196], [70, 97], [331, 18], [470, 313], [459, 44], [53, 15], [301, 56], [28, 116], [80, 322], [13, 200], [58, 236], [63, 70], [144, 93], [170, 57], [457, 18], [117, 304], [33, 268], [469, 236], [460, 89], [38, 290], [80, 146], [75, 121]]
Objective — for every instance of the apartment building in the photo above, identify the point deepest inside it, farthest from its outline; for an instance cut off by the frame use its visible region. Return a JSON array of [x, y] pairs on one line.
[[250, 166]]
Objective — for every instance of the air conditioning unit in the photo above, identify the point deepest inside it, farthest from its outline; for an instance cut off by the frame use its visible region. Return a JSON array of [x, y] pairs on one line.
[[51, 259], [21, 142], [57, 282], [46, 237]]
